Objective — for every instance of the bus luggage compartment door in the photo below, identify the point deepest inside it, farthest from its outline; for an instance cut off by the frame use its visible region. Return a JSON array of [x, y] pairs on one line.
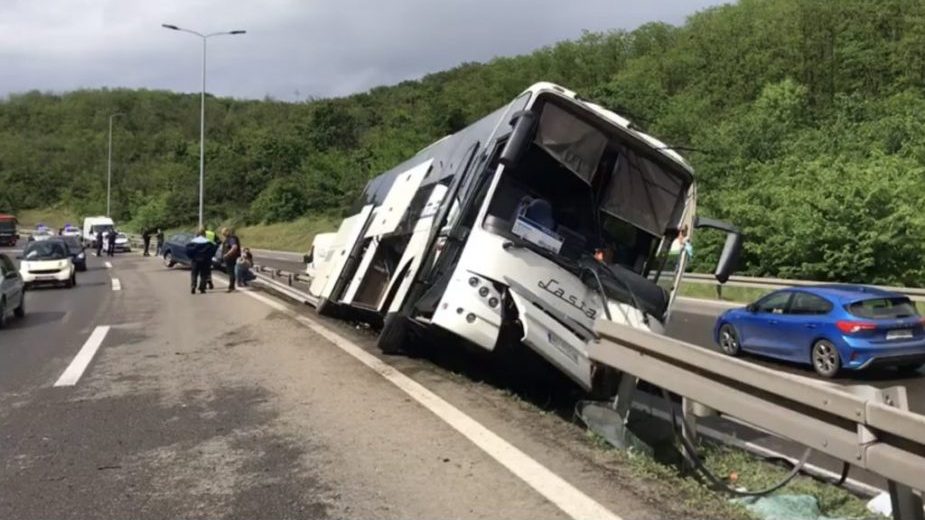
[[347, 235]]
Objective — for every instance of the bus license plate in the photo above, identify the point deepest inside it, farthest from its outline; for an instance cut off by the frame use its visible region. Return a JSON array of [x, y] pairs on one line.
[[899, 334]]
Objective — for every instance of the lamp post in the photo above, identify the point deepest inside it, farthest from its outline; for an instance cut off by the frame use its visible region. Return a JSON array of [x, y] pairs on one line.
[[202, 104], [109, 166]]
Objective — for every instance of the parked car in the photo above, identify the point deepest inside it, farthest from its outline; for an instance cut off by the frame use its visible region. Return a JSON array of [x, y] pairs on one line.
[[174, 251], [47, 262], [69, 231], [831, 327], [8, 232], [77, 251], [122, 245], [12, 291], [41, 234]]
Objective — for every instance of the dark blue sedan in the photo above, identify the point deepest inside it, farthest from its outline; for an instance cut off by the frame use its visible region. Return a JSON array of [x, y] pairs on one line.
[[831, 327], [174, 251]]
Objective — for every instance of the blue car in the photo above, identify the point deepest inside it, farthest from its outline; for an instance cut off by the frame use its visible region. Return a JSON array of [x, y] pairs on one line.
[[831, 327]]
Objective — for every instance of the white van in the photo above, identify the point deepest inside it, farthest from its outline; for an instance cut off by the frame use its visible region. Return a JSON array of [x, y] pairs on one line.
[[92, 226]]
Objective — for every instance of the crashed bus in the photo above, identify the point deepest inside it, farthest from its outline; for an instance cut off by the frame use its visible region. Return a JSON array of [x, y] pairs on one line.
[[525, 227]]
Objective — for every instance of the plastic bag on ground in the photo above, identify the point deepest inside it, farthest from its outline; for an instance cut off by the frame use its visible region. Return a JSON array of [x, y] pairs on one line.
[[784, 507]]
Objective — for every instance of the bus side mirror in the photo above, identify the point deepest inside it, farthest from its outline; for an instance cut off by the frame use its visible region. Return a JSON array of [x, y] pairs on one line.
[[524, 123], [732, 249]]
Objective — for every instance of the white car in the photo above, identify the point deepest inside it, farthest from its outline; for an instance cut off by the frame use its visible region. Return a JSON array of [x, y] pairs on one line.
[[47, 262], [70, 231], [122, 243], [41, 234]]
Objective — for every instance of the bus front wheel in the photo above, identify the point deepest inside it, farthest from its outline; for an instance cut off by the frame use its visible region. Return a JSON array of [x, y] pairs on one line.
[[394, 333]]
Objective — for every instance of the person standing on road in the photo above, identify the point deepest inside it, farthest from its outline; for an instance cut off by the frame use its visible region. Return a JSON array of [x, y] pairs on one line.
[[99, 243], [111, 242], [200, 252], [231, 250], [160, 241], [146, 238], [210, 236]]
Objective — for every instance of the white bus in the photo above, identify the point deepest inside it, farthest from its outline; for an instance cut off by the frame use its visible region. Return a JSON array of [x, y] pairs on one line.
[[524, 228]]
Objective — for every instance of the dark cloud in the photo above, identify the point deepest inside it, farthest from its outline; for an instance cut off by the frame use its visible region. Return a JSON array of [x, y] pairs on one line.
[[293, 49]]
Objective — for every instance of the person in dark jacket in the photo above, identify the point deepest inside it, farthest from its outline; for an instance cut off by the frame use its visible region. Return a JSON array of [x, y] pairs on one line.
[[200, 252], [146, 237], [231, 250], [111, 241], [99, 243], [160, 241]]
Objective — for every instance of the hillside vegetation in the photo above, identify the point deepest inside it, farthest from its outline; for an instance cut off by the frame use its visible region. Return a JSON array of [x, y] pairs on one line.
[[802, 118]]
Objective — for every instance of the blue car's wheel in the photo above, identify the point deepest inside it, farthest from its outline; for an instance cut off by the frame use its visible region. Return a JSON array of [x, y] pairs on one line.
[[825, 358], [729, 340]]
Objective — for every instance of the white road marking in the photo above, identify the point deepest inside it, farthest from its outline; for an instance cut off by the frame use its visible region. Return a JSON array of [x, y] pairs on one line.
[[76, 369], [116, 284], [108, 265], [551, 486]]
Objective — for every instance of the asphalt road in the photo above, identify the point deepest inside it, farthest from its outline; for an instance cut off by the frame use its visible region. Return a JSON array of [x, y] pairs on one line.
[[239, 406], [233, 406]]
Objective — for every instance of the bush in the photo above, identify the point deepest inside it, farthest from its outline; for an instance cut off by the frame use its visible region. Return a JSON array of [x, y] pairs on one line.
[[282, 200]]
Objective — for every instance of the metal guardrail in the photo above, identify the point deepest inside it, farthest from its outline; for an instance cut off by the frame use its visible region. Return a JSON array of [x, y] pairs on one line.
[[914, 293], [861, 425]]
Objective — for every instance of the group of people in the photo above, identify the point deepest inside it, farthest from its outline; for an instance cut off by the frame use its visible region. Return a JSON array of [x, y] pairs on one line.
[[201, 251], [146, 238], [108, 240]]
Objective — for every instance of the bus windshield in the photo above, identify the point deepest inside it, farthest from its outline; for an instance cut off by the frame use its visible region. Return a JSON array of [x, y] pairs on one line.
[[577, 191]]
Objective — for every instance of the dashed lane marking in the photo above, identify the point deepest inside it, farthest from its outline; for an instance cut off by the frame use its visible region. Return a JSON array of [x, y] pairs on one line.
[[108, 265], [72, 373], [554, 488], [116, 284]]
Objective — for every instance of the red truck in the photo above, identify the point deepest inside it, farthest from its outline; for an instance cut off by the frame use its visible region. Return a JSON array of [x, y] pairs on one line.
[[8, 234]]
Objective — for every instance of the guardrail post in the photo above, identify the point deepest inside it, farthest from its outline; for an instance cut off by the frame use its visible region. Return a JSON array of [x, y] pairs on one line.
[[290, 279], [688, 421], [905, 503], [719, 291], [623, 402]]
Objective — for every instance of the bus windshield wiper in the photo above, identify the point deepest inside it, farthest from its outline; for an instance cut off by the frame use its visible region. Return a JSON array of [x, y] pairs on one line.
[[561, 261]]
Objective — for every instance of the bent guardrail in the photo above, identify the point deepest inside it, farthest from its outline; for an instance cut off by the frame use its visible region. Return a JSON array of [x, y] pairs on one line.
[[864, 426]]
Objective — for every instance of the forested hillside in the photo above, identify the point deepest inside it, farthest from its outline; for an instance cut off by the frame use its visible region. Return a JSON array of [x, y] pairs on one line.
[[803, 119]]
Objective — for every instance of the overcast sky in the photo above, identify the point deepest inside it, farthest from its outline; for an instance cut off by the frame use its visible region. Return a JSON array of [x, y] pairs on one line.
[[293, 48]]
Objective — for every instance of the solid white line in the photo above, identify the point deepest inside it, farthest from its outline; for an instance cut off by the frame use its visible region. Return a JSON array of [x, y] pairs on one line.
[[551, 486], [116, 284], [108, 265], [76, 369]]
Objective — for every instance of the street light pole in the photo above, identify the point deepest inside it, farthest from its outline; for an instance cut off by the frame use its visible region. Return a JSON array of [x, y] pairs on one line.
[[109, 167], [202, 106]]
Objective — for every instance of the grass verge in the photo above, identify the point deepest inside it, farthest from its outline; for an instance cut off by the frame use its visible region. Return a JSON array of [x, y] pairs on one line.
[[707, 291], [739, 469], [52, 217], [287, 236]]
